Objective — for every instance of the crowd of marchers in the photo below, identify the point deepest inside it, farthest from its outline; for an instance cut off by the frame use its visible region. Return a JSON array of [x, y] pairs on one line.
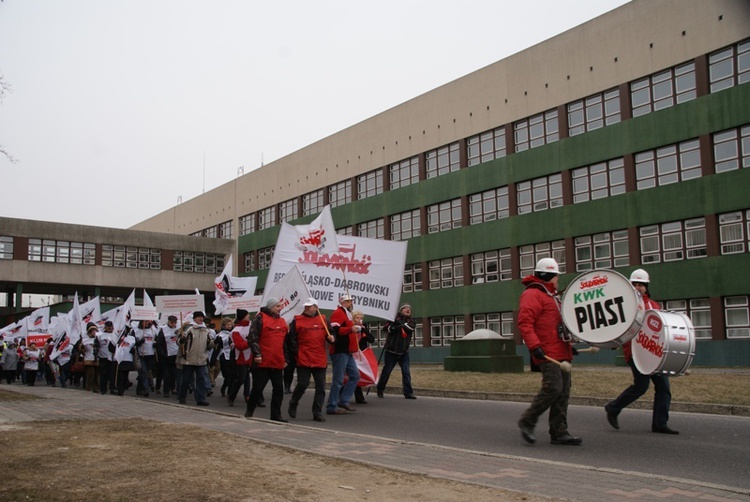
[[248, 352]]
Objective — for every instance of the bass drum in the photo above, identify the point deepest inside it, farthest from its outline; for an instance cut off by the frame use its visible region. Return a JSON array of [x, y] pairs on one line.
[[602, 309], [665, 343]]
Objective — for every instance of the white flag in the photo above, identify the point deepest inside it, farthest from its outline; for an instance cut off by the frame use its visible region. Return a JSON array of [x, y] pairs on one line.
[[38, 321], [76, 322], [15, 331], [319, 236], [123, 317], [370, 270], [228, 286], [90, 311], [292, 293]]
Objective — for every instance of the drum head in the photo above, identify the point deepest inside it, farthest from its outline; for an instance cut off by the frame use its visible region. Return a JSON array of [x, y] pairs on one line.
[[602, 308], [648, 345]]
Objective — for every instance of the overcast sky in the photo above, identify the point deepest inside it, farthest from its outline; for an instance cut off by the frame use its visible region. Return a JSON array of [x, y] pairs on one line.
[[115, 104]]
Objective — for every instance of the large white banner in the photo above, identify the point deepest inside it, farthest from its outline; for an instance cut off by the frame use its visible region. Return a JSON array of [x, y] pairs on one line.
[[370, 270]]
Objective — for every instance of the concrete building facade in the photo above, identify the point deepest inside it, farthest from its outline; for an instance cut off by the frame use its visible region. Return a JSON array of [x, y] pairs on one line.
[[622, 143]]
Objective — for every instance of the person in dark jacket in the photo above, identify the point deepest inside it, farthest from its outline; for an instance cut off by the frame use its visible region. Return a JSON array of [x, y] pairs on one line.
[[540, 324], [397, 343], [308, 334], [662, 394]]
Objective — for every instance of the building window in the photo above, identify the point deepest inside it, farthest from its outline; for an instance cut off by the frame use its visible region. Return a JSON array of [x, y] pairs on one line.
[[226, 230], [247, 224], [404, 173], [664, 89], [412, 278], [446, 273], [265, 256], [202, 263], [442, 161], [6, 247], [499, 322], [539, 194], [340, 193], [211, 232], [444, 216], [50, 251], [405, 225], [594, 112], [673, 241], [289, 210], [443, 330], [374, 229], [734, 232], [729, 67], [699, 312], [491, 266], [536, 131], [668, 164], [485, 147], [312, 203], [250, 261], [732, 149], [736, 316], [267, 218], [489, 206], [369, 184], [377, 330], [532, 253], [599, 180], [605, 250], [345, 230]]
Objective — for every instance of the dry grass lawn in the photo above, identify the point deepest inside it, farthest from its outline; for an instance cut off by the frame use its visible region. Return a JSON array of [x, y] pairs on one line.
[[714, 386]]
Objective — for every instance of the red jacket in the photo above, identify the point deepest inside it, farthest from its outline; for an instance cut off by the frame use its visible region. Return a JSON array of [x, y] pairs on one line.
[[270, 332], [538, 319], [346, 341], [243, 353], [627, 349], [308, 340]]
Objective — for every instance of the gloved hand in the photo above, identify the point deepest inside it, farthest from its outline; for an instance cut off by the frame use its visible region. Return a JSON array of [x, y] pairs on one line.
[[575, 351], [538, 353]]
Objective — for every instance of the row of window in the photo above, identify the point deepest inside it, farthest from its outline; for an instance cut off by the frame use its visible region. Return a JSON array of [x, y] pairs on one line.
[[727, 67], [664, 242], [221, 231], [84, 253], [444, 330]]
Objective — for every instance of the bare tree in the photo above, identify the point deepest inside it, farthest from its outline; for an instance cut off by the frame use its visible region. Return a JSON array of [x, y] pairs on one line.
[[5, 88]]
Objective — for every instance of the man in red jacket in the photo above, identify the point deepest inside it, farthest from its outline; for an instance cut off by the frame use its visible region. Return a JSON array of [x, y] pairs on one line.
[[342, 361], [540, 324], [308, 334], [268, 340]]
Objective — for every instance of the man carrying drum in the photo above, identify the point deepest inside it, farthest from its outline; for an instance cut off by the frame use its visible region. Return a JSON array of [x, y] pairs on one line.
[[541, 326], [662, 395]]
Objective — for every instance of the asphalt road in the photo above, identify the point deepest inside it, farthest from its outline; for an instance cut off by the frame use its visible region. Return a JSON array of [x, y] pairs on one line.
[[711, 449]]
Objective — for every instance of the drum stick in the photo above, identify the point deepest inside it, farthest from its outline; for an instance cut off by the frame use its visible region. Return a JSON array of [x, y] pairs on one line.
[[565, 366], [592, 350]]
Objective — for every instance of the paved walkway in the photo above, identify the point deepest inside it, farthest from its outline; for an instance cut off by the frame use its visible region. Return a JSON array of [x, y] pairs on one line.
[[516, 473]]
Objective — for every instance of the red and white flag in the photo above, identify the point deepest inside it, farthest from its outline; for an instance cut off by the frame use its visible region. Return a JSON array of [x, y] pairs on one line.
[[319, 235], [291, 291], [367, 364], [38, 321], [228, 286]]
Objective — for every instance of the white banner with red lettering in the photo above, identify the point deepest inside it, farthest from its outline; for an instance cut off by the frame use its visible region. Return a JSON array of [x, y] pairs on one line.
[[370, 270]]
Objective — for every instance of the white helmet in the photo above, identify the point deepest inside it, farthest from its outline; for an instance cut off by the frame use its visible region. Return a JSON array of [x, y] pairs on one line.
[[548, 265], [639, 275]]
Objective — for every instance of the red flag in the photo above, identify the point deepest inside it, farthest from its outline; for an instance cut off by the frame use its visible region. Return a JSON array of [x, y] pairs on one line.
[[368, 367]]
